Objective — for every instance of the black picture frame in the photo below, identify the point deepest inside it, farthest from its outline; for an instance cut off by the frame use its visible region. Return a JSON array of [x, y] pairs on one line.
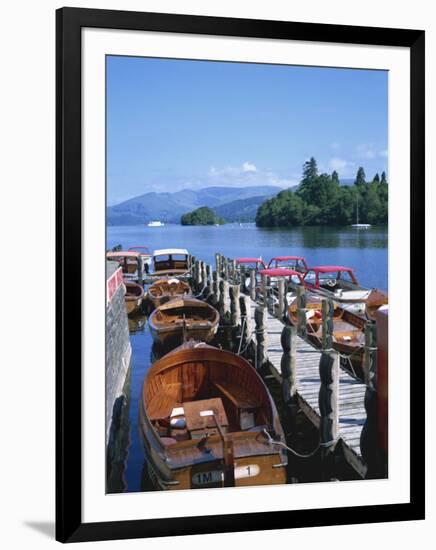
[[69, 22]]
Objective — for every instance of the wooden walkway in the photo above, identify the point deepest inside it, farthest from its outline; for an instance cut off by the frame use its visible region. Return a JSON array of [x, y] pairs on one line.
[[352, 414]]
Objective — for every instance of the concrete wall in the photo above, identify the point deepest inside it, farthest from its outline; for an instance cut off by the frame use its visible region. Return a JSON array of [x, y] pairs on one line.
[[118, 351]]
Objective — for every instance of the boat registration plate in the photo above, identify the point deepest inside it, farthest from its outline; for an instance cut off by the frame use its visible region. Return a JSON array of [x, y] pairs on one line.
[[217, 476]]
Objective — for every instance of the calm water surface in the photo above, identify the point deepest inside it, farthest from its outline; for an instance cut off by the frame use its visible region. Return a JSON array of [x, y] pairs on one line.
[[366, 251]]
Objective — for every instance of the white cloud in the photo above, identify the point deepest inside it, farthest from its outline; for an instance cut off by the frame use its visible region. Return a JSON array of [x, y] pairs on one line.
[[249, 167], [335, 146], [341, 165], [370, 151]]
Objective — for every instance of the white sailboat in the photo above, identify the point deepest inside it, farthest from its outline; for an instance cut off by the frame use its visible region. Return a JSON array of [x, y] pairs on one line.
[[357, 224]]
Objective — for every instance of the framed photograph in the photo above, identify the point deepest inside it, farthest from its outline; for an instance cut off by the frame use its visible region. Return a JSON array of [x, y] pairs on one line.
[[240, 218]]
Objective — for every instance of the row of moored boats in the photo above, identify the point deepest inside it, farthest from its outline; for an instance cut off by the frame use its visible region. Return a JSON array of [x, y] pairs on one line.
[[206, 416]]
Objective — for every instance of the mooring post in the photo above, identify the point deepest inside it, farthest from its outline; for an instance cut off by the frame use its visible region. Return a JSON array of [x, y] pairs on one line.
[[193, 260], [140, 271], [215, 289], [301, 312], [245, 321], [242, 277], [234, 272], [288, 369], [261, 337], [264, 290], [369, 445], [226, 269], [253, 284], [203, 273], [197, 275], [217, 262], [329, 408], [234, 305], [224, 301], [208, 273], [327, 324], [282, 298]]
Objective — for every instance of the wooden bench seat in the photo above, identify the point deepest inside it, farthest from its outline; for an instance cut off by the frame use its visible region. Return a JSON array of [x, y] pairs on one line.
[[163, 402], [238, 395]]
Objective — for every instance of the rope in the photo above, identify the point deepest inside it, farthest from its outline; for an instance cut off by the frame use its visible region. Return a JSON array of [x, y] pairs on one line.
[[325, 444]]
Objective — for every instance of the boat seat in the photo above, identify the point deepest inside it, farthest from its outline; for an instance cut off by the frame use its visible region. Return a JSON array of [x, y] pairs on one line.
[[163, 402], [238, 395]]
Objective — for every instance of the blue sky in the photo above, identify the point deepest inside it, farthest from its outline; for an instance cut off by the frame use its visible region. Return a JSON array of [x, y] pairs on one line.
[[176, 124]]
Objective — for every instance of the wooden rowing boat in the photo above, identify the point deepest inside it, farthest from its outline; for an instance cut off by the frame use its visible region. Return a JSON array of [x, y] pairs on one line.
[[208, 420], [376, 299], [348, 330], [166, 289], [183, 318], [133, 297]]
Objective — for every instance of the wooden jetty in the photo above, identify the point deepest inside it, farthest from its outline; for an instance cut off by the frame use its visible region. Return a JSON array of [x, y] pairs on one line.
[[340, 406], [350, 394]]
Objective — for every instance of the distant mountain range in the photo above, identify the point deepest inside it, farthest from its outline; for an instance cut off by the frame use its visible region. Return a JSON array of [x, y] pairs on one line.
[[234, 204], [231, 203]]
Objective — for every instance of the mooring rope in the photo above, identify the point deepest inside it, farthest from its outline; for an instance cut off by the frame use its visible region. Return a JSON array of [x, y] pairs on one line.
[[325, 444]]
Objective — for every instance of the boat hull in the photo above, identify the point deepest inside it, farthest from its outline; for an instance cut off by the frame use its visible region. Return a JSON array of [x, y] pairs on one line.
[[198, 378]]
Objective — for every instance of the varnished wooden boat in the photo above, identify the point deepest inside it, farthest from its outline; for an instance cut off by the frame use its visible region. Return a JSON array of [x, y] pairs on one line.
[[376, 299], [133, 297], [181, 319], [166, 289], [348, 330], [208, 420]]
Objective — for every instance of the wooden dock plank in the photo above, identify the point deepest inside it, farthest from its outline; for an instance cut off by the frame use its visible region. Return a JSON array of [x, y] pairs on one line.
[[352, 414]]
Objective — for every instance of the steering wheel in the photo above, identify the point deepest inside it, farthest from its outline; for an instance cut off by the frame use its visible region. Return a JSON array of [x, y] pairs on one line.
[[331, 282]]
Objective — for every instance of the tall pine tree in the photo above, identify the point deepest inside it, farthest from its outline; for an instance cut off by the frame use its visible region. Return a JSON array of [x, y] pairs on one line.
[[376, 178], [335, 176], [383, 177], [360, 176]]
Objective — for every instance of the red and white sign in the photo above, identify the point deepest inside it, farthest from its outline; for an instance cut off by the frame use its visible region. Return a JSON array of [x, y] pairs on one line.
[[112, 284]]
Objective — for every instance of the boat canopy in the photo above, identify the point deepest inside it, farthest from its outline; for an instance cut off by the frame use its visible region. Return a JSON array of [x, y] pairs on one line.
[[170, 251], [285, 258], [330, 269], [140, 249], [123, 254], [279, 272]]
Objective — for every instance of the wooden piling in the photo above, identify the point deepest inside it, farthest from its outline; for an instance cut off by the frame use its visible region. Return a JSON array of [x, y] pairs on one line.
[[218, 263], [224, 301], [282, 298], [328, 401], [215, 289], [261, 337], [235, 308], [242, 278], [264, 290], [225, 269], [327, 324], [253, 284], [369, 444], [301, 312], [288, 369], [246, 327]]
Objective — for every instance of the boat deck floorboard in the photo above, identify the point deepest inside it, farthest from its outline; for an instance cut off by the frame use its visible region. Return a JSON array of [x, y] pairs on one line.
[[352, 412]]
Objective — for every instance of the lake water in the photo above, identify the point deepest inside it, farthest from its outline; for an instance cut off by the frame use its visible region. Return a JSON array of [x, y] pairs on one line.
[[365, 250]]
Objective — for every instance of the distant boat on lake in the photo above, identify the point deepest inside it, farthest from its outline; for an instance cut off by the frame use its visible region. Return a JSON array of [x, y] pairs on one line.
[[357, 224], [155, 223]]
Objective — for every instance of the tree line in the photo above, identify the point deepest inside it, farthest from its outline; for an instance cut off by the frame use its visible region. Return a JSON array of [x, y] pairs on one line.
[[201, 216], [321, 200]]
